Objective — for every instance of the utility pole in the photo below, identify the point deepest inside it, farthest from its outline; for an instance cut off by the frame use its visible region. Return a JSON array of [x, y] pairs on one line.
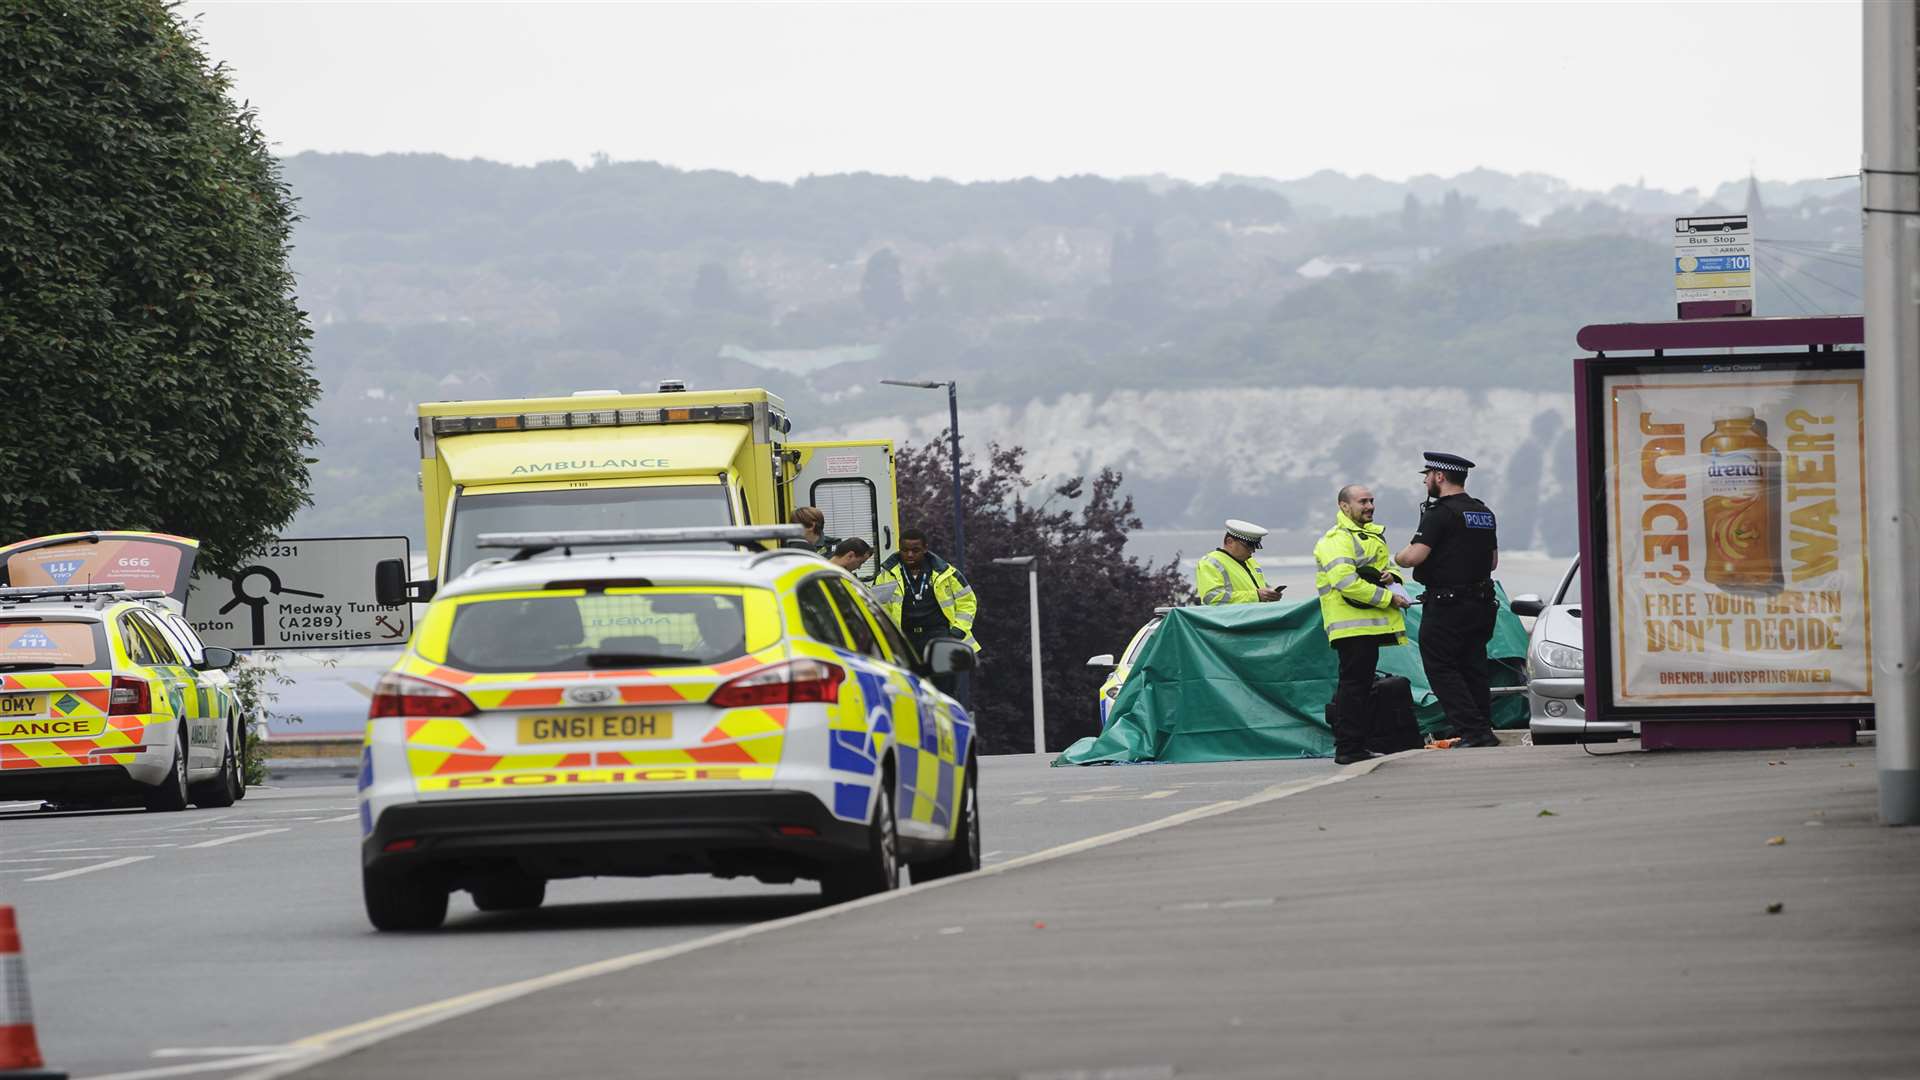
[[1033, 630], [958, 555], [1890, 203]]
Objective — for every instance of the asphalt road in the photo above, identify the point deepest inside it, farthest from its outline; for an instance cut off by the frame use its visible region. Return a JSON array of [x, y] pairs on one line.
[[205, 941]]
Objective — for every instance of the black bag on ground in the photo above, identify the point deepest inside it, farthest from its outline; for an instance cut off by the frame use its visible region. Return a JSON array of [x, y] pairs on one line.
[[1391, 726]]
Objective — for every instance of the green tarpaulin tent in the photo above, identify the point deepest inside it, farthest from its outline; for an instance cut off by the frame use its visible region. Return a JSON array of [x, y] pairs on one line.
[[1253, 680]]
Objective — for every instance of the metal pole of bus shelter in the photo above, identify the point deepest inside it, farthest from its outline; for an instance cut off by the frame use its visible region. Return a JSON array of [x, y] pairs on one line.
[[1033, 621], [958, 556], [1890, 203]]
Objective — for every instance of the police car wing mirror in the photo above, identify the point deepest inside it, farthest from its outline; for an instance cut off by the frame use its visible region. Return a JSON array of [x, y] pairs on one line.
[[1526, 604], [391, 587], [946, 656], [1105, 659], [216, 658]]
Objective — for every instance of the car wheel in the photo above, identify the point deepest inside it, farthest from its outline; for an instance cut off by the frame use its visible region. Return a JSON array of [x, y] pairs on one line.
[[171, 794], [510, 892], [403, 901], [964, 857], [240, 761], [218, 792], [878, 870]]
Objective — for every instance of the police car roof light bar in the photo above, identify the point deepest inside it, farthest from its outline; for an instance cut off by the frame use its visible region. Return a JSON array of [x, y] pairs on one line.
[[526, 545], [106, 589]]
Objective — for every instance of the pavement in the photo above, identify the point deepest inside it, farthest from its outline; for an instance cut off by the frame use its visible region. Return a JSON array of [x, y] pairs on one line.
[[1522, 911]]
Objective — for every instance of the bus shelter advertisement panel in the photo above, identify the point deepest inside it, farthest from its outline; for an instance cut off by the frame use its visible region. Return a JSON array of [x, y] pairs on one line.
[[1738, 554]]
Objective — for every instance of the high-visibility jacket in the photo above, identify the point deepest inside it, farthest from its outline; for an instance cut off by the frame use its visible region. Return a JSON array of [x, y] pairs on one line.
[[1222, 579], [950, 588], [1350, 605]]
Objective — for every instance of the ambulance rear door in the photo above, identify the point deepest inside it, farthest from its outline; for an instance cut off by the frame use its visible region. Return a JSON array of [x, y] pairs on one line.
[[852, 484]]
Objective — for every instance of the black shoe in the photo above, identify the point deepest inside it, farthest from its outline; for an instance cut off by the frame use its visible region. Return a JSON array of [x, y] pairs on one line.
[[1355, 756], [1466, 741]]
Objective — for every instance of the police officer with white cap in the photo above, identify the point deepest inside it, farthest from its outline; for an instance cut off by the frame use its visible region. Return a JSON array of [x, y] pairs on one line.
[[1228, 574], [1454, 554]]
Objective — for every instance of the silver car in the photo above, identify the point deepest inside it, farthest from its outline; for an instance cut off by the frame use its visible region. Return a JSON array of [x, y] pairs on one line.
[[1556, 665]]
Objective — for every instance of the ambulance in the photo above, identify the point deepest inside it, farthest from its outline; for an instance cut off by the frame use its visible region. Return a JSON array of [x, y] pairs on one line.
[[600, 460], [106, 692]]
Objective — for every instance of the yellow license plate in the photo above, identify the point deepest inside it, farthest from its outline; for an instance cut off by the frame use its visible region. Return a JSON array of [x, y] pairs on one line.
[[22, 705], [596, 727], [52, 728]]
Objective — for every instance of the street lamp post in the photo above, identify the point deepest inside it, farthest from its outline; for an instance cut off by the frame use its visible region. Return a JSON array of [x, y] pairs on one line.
[[1033, 624], [958, 556]]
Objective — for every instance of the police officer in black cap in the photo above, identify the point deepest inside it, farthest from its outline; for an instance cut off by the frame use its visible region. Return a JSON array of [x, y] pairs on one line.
[[1454, 554]]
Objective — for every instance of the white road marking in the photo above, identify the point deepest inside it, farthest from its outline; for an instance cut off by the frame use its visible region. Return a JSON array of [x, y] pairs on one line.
[[53, 858], [78, 870], [1030, 800], [192, 823], [123, 847], [231, 839], [355, 816], [26, 870], [1161, 794], [340, 1041], [222, 1051], [191, 1067]]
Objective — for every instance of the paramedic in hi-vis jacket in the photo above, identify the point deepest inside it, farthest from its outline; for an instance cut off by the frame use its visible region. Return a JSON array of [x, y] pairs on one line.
[[1228, 574], [929, 598], [1360, 611]]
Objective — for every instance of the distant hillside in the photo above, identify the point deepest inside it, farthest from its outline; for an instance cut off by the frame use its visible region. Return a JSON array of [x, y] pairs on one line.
[[1079, 315]]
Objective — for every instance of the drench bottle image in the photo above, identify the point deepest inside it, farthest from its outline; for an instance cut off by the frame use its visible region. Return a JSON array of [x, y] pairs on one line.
[[1742, 504]]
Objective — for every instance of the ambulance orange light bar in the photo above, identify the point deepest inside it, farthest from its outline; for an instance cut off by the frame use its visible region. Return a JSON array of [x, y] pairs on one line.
[[590, 418]]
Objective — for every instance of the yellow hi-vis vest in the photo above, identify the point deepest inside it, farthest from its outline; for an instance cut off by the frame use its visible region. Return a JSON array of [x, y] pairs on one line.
[[1351, 606], [1221, 579], [950, 588]]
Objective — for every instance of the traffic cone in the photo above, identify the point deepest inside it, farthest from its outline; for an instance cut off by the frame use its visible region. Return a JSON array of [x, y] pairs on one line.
[[19, 1050]]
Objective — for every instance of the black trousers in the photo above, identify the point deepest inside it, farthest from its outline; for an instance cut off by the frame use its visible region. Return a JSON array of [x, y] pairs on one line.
[[1453, 649], [1359, 656]]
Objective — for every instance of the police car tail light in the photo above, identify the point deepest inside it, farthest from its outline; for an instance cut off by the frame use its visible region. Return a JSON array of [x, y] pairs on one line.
[[401, 695], [129, 696], [789, 683]]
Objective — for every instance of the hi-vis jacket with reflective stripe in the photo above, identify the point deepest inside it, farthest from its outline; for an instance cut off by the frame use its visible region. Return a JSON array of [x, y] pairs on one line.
[[1351, 606], [1221, 579], [950, 587]]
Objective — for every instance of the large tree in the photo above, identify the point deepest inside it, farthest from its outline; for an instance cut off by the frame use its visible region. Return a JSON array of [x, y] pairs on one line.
[[153, 363], [1093, 596]]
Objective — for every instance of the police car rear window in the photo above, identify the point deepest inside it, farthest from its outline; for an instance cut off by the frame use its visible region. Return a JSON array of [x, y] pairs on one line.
[[634, 628], [33, 645]]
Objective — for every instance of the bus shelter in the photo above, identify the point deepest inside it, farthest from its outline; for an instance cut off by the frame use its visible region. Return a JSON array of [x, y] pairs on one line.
[[1723, 514]]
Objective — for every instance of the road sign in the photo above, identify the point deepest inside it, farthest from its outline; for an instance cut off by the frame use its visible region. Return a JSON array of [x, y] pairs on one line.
[[1713, 266], [302, 594]]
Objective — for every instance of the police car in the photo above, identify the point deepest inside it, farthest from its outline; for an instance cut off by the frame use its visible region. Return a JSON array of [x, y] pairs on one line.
[[106, 692], [1123, 667], [625, 703]]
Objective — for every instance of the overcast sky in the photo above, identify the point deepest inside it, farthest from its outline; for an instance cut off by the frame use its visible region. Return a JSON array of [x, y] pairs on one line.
[[1682, 95]]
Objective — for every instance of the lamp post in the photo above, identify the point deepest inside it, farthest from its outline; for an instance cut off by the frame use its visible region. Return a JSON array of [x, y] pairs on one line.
[[958, 555], [1033, 624]]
